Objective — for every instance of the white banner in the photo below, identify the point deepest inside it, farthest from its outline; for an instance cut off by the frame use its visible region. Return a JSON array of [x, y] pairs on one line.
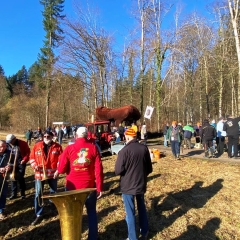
[[148, 112]]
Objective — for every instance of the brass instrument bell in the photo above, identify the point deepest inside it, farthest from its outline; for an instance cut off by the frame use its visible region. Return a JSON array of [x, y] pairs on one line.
[[70, 208]]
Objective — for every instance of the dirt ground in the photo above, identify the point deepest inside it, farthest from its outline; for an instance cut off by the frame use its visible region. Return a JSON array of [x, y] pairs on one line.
[[191, 198]]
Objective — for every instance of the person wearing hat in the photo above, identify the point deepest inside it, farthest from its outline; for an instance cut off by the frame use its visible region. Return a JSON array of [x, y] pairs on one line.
[[82, 164], [134, 164], [175, 136], [220, 140], [44, 159], [22, 149], [207, 134]]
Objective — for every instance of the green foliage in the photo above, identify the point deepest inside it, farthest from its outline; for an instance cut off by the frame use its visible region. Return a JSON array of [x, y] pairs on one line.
[[1, 71], [18, 80], [36, 74], [51, 22]]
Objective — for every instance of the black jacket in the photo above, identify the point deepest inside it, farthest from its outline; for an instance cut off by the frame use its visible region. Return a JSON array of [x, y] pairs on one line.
[[165, 130], [4, 160], [208, 132], [231, 126], [133, 165], [121, 130]]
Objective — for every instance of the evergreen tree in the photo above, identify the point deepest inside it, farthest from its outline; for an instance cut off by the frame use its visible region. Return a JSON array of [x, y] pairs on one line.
[[51, 22], [20, 79], [1, 71]]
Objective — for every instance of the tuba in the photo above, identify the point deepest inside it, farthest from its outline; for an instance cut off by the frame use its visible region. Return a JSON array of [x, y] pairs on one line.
[[70, 208]]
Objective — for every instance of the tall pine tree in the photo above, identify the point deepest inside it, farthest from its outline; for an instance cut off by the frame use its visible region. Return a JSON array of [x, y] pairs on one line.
[[51, 22]]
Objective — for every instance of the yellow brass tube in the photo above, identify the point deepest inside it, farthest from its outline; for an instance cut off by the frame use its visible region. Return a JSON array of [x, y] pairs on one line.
[[70, 208]]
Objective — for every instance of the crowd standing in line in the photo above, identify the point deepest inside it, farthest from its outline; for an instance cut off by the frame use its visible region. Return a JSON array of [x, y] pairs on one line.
[[215, 138]]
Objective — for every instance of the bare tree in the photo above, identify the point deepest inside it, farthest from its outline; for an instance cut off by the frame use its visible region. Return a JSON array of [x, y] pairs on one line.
[[87, 52], [234, 13]]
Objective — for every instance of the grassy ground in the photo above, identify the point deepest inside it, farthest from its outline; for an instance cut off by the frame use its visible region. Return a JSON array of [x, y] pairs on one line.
[[187, 199]]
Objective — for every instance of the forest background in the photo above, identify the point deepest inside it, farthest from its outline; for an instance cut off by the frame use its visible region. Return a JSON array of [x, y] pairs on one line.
[[187, 72]]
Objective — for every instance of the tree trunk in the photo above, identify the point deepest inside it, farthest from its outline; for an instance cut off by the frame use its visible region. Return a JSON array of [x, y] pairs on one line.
[[48, 87], [234, 12], [142, 16]]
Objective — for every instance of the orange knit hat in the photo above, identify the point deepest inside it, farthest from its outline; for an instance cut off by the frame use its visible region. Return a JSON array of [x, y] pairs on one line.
[[174, 122], [130, 132]]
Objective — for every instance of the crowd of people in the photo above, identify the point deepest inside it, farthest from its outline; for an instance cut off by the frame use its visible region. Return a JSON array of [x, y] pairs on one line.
[[81, 162], [214, 137], [59, 133]]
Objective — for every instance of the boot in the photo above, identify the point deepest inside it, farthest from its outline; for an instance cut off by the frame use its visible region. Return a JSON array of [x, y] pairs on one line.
[[178, 157]]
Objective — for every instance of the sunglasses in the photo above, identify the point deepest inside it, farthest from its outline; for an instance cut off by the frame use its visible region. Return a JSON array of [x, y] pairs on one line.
[[47, 136]]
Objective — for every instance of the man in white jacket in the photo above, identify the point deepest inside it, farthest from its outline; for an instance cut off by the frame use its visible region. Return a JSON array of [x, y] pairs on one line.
[[220, 136]]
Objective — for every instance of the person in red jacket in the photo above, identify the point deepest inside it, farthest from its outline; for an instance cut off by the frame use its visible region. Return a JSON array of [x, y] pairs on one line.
[[82, 163], [44, 159], [23, 151]]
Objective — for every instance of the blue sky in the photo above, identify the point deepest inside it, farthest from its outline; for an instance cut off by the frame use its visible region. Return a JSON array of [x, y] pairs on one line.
[[22, 31]]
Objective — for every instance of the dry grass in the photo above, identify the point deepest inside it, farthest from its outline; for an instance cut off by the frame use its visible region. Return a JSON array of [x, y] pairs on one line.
[[187, 199]]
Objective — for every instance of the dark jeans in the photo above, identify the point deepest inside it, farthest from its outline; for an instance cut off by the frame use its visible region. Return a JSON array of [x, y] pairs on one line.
[[122, 137], [233, 141], [21, 180], [3, 195], [92, 216], [207, 144], [175, 145], [220, 145]]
